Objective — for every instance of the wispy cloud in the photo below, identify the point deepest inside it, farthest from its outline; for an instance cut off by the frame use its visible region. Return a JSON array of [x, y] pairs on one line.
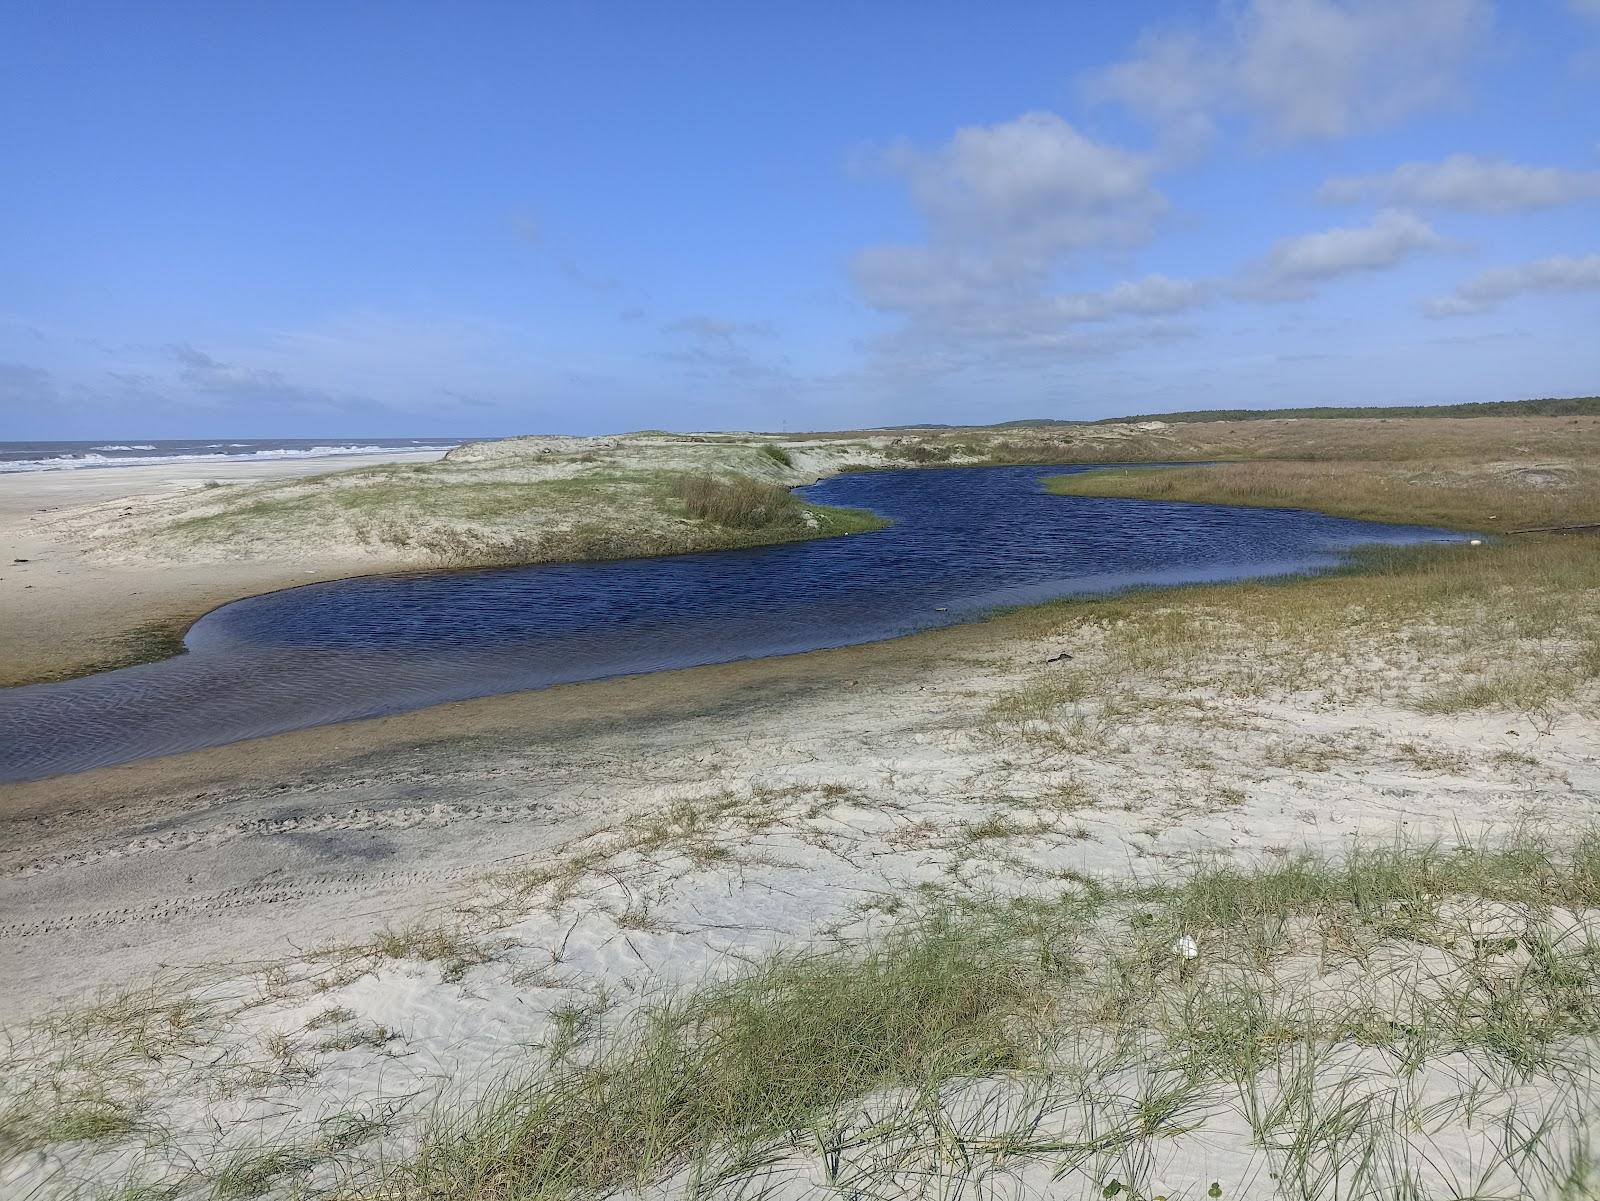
[[1463, 181], [22, 384], [708, 347], [1294, 267], [1491, 289], [1302, 69]]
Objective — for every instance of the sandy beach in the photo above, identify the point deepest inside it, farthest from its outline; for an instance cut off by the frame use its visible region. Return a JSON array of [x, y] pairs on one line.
[[238, 950], [65, 604]]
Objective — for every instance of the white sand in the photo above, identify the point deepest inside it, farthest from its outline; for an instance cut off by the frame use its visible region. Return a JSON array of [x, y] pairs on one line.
[[773, 811], [67, 597]]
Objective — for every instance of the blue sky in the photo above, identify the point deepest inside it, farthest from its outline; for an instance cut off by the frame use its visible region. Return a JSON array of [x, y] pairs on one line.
[[338, 218]]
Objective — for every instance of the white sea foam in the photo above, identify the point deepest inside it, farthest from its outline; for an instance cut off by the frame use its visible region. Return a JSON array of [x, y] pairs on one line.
[[91, 459]]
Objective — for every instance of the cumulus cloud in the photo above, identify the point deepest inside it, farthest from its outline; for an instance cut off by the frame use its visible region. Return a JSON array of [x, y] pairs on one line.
[[1006, 208], [1154, 295], [1029, 187], [1293, 268], [1489, 290], [1303, 68], [1463, 181]]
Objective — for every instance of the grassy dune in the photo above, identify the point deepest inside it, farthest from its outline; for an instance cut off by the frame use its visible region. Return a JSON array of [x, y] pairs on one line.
[[539, 499], [491, 505], [1366, 1022]]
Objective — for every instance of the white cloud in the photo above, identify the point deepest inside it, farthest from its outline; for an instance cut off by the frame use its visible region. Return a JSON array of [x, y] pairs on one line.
[[1154, 295], [1292, 268], [1006, 207], [1561, 273], [1463, 181], [1304, 68], [1028, 187]]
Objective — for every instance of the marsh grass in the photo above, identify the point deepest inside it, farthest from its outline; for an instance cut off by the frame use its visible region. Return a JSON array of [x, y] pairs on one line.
[[1513, 627], [739, 502], [1463, 494]]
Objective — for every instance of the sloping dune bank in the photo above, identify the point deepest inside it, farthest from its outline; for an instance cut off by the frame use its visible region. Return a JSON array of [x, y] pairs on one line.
[[1256, 890], [109, 567], [119, 562]]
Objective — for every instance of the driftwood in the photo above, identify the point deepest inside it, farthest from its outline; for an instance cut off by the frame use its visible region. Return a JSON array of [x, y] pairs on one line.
[[1556, 529]]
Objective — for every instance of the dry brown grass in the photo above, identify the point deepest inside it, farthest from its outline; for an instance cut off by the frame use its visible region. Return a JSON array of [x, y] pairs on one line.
[[1480, 440], [1496, 495]]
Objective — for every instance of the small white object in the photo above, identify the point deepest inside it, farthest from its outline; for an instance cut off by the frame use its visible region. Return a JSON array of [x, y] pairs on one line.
[[1186, 947], [1476, 542]]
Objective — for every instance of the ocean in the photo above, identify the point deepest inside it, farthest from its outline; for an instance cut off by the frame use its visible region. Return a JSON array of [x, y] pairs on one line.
[[73, 456]]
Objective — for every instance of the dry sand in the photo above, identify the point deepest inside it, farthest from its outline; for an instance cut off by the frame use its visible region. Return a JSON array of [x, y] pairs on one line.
[[65, 604]]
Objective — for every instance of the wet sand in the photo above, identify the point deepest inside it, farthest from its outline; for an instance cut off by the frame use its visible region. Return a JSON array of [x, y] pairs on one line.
[[266, 846]]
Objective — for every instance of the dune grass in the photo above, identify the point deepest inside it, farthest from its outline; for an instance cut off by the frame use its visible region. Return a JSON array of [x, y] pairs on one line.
[[451, 522], [1511, 627], [1483, 960], [746, 1061]]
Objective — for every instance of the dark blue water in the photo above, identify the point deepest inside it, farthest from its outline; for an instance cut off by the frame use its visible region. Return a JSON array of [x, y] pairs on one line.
[[965, 540]]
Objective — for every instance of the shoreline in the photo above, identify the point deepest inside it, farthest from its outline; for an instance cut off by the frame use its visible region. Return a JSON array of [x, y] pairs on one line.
[[73, 611], [69, 613], [662, 695], [1087, 590], [94, 594]]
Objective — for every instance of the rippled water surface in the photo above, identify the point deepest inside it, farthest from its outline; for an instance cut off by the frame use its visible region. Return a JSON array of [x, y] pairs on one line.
[[964, 540]]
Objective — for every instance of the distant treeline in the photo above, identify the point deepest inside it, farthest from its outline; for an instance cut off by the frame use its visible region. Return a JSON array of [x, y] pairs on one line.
[[1571, 406]]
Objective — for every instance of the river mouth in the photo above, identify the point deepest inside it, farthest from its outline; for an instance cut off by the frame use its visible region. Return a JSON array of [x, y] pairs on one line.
[[964, 541]]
